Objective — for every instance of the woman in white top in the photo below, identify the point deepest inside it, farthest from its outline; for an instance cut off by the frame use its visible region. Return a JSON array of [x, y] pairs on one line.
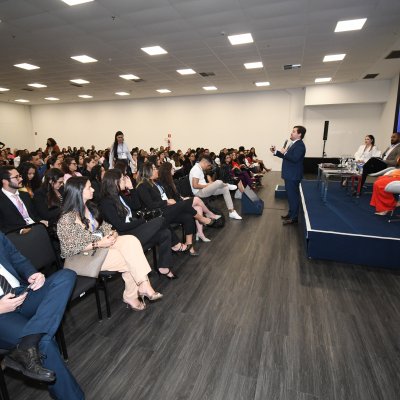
[[367, 150], [120, 151]]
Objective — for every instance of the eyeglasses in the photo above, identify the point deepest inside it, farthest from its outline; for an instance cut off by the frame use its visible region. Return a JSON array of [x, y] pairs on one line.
[[16, 177], [73, 163]]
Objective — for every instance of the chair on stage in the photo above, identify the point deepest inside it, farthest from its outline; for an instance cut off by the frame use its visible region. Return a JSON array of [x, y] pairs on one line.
[[394, 187]]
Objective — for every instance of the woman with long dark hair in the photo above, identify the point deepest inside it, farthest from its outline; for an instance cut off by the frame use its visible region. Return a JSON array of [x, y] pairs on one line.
[[96, 176], [30, 178], [81, 228], [165, 178], [367, 150], [51, 146], [119, 205], [119, 150], [154, 197], [70, 168]]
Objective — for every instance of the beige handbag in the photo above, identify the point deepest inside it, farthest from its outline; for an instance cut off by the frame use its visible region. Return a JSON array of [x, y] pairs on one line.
[[87, 263]]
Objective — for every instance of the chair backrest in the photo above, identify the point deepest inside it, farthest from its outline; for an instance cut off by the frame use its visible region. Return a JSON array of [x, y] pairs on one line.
[[393, 187], [35, 244]]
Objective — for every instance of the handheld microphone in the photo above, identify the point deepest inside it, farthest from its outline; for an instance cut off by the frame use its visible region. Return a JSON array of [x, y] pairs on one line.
[[284, 145]]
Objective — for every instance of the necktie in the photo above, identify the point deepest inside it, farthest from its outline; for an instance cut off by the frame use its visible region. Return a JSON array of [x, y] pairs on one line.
[[20, 206], [5, 286]]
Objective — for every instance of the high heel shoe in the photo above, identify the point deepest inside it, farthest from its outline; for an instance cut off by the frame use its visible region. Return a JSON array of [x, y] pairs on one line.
[[181, 249], [154, 297], [202, 238], [130, 306], [211, 223], [166, 275], [193, 253]]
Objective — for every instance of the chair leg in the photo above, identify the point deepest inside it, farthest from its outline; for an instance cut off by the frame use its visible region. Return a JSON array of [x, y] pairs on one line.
[[105, 288], [155, 262], [99, 313], [3, 387], [60, 338]]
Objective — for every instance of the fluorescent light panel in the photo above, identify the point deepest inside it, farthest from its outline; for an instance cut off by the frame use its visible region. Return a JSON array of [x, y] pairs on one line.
[[129, 77], [37, 85], [122, 93], [52, 98], [85, 96], [210, 88], [253, 65], [163, 91], [26, 66], [22, 101], [262, 83], [240, 39], [84, 59], [79, 81], [350, 25], [154, 50], [3, 89], [334, 57], [322, 80], [76, 2], [187, 71]]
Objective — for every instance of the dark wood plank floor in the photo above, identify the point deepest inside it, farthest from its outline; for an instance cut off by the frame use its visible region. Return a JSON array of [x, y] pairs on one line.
[[251, 318]]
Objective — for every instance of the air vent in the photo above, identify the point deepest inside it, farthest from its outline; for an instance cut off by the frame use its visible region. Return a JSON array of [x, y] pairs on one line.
[[27, 89], [137, 80], [393, 54], [75, 84], [291, 66], [370, 76], [207, 74]]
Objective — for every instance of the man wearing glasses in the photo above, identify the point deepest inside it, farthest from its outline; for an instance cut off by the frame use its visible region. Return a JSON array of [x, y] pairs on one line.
[[16, 208]]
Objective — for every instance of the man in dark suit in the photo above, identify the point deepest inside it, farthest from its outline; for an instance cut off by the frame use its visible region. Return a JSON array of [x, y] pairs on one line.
[[16, 208], [389, 158], [29, 318], [292, 171]]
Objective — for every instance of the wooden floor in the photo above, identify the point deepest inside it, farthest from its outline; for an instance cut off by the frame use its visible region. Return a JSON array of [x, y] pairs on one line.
[[251, 318]]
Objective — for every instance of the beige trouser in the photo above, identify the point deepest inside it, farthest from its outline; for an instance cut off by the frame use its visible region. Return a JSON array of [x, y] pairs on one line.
[[126, 256], [214, 189]]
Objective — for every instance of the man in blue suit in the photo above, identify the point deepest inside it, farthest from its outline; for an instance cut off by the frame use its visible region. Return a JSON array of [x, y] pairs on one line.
[[31, 309], [292, 171]]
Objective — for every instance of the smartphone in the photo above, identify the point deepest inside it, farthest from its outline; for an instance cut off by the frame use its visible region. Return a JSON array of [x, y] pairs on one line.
[[26, 290]]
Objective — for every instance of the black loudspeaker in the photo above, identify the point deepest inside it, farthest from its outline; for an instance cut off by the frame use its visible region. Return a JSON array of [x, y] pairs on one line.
[[326, 127]]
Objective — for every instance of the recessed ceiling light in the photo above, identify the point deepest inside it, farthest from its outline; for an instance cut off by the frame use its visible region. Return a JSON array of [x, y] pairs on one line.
[[154, 50], [22, 101], [322, 80], [334, 57], [241, 39], [253, 65], [122, 93], [163, 91], [210, 88], [37, 85], [26, 66], [85, 96], [3, 89], [350, 25], [187, 71], [129, 77], [79, 81], [262, 83], [52, 98], [84, 59], [76, 2]]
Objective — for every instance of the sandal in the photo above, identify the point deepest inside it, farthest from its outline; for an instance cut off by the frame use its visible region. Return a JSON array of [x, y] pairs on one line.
[[183, 248]]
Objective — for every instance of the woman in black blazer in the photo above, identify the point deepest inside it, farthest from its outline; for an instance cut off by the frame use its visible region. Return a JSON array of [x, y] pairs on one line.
[[118, 204], [154, 197]]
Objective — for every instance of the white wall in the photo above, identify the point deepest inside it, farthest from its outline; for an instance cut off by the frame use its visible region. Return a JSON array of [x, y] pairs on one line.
[[16, 126], [389, 109]]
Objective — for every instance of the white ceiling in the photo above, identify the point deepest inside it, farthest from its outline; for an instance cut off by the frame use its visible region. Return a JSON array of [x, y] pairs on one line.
[[194, 32]]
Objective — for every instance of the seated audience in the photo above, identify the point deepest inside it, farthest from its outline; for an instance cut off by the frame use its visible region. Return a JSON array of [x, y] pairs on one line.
[[88, 164], [201, 188], [30, 178], [29, 321], [81, 228], [96, 176], [118, 205], [252, 159], [54, 162], [383, 201], [367, 150], [165, 173], [70, 168], [179, 213]]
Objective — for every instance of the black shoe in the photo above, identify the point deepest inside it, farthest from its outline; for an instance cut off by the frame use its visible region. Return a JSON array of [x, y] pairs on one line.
[[28, 362], [173, 276], [289, 221], [287, 216], [193, 253]]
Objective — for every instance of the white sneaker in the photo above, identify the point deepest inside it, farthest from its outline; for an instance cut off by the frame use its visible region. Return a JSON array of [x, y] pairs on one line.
[[238, 194], [232, 187], [234, 215], [217, 217]]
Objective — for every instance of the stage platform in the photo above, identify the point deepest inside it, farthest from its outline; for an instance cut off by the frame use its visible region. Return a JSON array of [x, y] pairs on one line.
[[345, 228]]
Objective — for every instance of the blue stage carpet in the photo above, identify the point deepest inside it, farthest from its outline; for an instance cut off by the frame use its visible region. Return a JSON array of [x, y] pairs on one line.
[[346, 229]]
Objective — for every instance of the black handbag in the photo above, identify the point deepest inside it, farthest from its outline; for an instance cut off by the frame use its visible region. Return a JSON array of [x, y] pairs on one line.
[[149, 214]]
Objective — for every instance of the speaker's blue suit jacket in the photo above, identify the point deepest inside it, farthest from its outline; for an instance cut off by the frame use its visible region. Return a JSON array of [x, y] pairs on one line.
[[292, 164]]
